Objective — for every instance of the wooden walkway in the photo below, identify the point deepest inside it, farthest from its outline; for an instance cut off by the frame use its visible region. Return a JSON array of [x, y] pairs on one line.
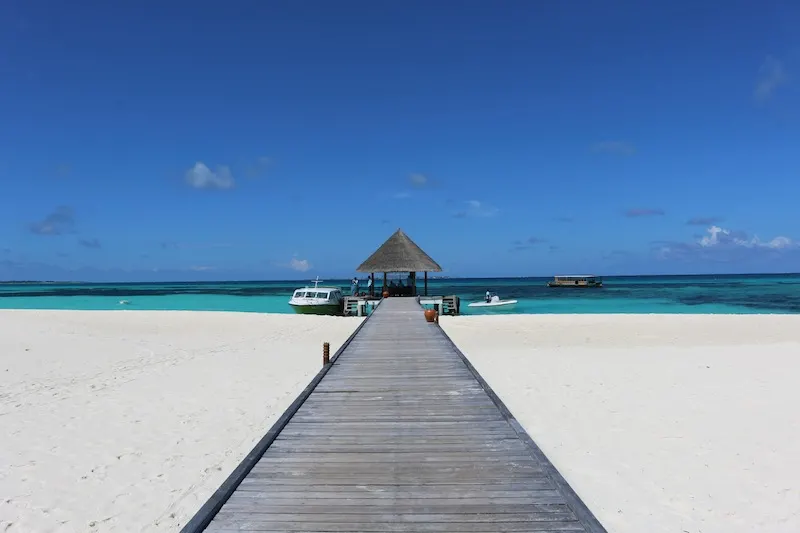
[[398, 433]]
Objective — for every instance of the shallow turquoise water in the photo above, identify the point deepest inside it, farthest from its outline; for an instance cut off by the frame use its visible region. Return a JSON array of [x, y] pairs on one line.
[[650, 294]]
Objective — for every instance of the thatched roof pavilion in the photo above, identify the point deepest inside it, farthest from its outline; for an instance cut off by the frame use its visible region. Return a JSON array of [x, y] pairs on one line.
[[400, 254]]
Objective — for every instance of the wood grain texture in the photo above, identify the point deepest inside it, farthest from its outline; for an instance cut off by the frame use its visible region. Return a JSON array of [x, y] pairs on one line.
[[401, 435]]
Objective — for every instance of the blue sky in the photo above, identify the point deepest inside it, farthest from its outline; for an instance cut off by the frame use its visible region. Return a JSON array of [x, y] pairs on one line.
[[263, 140]]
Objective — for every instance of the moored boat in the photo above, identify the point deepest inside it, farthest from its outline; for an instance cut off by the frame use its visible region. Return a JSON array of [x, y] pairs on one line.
[[493, 300], [317, 300], [576, 281]]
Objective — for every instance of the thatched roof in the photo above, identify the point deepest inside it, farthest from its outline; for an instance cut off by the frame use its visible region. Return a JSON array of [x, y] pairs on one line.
[[399, 254]]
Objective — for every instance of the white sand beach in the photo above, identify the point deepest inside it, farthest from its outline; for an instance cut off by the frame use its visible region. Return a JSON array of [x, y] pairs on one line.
[[130, 420], [660, 423]]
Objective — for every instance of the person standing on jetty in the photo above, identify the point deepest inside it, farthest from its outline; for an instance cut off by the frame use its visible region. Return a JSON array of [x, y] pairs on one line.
[[354, 290]]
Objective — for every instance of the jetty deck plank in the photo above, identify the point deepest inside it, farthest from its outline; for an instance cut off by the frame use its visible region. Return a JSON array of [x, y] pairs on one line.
[[401, 434]]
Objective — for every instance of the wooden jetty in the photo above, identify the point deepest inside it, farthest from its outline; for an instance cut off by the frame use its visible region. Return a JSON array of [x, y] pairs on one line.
[[397, 433], [363, 305]]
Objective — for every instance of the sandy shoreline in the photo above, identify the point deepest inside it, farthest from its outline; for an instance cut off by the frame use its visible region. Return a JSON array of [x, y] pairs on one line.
[[129, 420]]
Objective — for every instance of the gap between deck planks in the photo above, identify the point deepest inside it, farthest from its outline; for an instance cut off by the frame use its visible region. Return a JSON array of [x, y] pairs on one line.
[[398, 433]]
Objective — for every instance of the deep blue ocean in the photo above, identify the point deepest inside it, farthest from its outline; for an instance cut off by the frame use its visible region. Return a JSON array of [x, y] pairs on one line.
[[640, 294]]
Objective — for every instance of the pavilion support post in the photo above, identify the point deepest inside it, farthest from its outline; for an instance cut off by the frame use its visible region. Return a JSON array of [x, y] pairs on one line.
[[372, 285], [426, 283], [384, 288]]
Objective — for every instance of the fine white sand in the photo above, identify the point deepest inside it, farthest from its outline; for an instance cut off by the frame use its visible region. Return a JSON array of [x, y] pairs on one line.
[[673, 424], [130, 420]]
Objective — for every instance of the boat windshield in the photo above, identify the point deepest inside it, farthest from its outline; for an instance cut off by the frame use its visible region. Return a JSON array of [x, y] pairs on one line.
[[323, 295]]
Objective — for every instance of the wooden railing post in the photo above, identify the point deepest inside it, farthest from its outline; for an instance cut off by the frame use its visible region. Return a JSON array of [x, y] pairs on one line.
[[326, 353]]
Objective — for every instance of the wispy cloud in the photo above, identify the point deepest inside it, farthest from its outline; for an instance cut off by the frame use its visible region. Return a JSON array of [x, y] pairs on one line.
[[771, 75], [63, 170], [259, 168], [475, 208], [201, 177], [613, 147], [58, 222], [415, 181], [616, 254], [90, 243], [201, 268], [527, 244], [173, 245], [418, 180], [644, 212], [704, 221], [300, 265]]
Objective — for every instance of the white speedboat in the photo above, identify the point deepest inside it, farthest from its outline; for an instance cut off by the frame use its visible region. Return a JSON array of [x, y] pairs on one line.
[[317, 300], [494, 301]]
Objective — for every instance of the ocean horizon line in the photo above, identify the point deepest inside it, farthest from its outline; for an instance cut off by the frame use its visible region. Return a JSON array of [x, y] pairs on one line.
[[438, 277]]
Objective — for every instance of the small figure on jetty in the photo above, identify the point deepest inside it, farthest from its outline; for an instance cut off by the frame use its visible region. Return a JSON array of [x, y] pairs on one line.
[[354, 290], [488, 297]]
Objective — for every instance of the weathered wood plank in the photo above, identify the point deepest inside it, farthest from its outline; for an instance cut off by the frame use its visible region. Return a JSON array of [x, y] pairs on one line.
[[228, 524], [292, 447], [540, 497], [392, 492], [399, 436], [418, 458], [336, 517], [323, 507]]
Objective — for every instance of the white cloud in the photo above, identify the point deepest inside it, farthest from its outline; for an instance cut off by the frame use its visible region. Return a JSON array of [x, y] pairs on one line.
[[718, 236], [201, 177], [300, 265], [720, 244], [772, 74]]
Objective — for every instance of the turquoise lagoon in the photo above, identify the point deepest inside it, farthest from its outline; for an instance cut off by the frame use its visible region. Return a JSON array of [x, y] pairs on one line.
[[740, 294]]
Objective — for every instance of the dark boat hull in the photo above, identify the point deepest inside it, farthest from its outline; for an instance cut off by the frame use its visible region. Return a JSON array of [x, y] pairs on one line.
[[327, 309], [575, 286]]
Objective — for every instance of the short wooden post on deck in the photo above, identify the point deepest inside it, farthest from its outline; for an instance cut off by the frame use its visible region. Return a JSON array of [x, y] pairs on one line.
[[326, 353]]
